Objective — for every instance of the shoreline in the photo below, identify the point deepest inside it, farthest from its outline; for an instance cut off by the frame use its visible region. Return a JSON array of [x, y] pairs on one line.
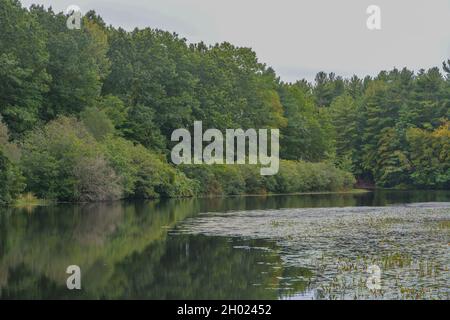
[[35, 202], [21, 203]]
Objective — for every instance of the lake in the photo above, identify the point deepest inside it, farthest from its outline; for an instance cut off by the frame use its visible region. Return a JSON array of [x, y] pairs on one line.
[[318, 246]]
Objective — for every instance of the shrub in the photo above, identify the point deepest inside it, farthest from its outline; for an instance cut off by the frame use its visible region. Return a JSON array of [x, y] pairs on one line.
[[97, 123], [11, 180], [96, 180], [63, 161], [145, 174], [294, 176], [216, 179], [299, 176]]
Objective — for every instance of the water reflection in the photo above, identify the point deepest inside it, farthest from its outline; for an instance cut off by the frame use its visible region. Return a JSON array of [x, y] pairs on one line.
[[127, 249]]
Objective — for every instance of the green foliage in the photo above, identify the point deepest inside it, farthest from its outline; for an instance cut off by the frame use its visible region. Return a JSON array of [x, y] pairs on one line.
[[300, 176], [23, 61], [12, 181], [10, 149], [345, 116], [430, 156], [29, 200], [152, 68], [145, 174], [308, 135], [77, 63], [392, 165], [381, 125], [115, 109], [217, 179], [97, 122], [63, 161], [326, 88], [141, 127], [386, 118], [294, 177]]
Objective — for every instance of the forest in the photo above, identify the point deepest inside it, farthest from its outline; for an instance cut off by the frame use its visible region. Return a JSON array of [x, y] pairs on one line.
[[87, 115]]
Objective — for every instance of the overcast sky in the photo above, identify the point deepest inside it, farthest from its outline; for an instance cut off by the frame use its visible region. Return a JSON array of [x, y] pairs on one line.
[[297, 38]]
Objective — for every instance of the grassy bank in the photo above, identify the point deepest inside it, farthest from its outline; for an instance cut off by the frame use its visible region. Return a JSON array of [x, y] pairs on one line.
[[30, 200]]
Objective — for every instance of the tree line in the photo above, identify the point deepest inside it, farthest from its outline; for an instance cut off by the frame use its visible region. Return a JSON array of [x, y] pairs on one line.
[[87, 115]]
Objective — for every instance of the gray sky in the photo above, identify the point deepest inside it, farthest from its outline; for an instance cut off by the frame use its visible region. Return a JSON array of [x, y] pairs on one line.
[[297, 38]]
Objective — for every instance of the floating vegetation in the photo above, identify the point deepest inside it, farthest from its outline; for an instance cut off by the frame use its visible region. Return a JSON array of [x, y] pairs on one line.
[[337, 246], [396, 260], [444, 224]]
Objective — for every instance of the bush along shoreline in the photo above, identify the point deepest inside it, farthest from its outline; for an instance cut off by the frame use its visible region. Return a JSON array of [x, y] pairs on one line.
[[64, 162]]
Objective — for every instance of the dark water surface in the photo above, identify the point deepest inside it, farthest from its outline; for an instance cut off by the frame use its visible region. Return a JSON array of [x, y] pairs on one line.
[[231, 248]]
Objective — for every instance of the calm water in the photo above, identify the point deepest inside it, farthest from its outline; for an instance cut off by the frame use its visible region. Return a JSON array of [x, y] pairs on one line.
[[233, 248]]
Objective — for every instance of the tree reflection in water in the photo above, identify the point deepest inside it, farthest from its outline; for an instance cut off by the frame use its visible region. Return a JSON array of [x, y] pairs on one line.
[[126, 249]]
